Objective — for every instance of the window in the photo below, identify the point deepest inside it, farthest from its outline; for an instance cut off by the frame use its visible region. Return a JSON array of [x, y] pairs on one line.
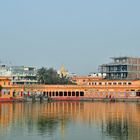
[[65, 93], [56, 93], [114, 83], [81, 93], [73, 93], [119, 83], [44, 93], [69, 93], [109, 83], [129, 83], [100, 83], [60, 93], [138, 93], [50, 93], [77, 93]]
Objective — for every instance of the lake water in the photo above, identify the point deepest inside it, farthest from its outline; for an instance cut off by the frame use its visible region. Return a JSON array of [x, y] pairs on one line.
[[70, 121]]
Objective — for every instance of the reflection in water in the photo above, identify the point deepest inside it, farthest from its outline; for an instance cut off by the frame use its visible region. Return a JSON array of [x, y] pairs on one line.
[[47, 124], [118, 129], [70, 120]]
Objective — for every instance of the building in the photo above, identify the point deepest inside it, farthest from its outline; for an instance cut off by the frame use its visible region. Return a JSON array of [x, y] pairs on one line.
[[5, 70], [85, 80], [19, 74], [97, 75], [120, 68], [24, 75], [63, 72], [5, 86]]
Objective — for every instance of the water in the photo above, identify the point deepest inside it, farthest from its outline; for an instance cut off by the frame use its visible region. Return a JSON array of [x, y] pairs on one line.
[[70, 121]]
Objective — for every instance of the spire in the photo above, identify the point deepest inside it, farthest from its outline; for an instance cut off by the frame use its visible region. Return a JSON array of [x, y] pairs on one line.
[[63, 71]]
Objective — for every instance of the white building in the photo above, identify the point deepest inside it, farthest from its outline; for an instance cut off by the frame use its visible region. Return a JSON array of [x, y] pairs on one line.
[[100, 75], [19, 74], [5, 70]]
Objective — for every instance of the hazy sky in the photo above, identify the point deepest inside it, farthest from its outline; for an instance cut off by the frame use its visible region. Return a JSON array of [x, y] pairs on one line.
[[81, 34]]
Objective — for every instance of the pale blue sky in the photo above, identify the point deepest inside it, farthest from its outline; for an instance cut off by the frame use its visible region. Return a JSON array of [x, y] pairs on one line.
[[81, 34]]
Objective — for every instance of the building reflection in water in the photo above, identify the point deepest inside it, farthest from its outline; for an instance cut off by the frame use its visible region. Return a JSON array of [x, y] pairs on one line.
[[117, 120]]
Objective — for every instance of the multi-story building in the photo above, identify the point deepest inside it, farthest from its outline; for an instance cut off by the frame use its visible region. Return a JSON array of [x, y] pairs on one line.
[[23, 75], [122, 68], [5, 85], [5, 70], [19, 74]]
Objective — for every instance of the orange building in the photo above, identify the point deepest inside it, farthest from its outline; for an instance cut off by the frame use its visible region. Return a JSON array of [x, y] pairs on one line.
[[87, 88], [84, 80], [5, 90]]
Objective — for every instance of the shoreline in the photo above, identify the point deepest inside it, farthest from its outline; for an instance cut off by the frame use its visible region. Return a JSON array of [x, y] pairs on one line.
[[2, 100]]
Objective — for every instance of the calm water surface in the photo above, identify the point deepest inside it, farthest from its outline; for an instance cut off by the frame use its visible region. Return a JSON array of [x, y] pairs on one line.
[[70, 121]]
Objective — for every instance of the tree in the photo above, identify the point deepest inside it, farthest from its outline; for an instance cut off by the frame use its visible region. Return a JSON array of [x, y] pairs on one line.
[[0, 90], [41, 75], [50, 76]]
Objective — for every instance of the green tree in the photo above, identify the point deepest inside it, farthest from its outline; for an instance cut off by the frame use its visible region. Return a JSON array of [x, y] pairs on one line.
[[0, 90], [50, 76], [41, 75]]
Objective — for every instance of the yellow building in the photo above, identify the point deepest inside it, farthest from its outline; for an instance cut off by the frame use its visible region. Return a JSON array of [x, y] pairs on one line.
[[63, 72]]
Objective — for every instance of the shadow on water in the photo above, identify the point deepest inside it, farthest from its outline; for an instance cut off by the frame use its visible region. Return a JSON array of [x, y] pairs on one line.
[[47, 125], [116, 129]]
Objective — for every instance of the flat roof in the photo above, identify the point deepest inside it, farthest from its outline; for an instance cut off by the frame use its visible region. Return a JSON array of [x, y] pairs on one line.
[[124, 57]]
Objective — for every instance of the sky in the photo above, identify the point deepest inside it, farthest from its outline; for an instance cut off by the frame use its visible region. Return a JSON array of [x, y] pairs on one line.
[[79, 34]]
